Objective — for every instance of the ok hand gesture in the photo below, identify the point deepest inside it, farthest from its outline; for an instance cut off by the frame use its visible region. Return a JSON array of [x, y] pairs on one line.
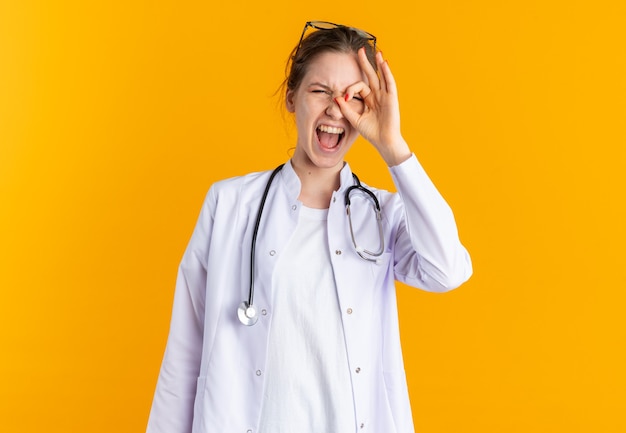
[[379, 122]]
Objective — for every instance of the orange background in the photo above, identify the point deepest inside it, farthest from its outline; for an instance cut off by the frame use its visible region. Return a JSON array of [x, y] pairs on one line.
[[116, 117]]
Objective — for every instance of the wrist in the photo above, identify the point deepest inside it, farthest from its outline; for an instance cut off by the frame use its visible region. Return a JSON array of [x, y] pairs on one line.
[[396, 153]]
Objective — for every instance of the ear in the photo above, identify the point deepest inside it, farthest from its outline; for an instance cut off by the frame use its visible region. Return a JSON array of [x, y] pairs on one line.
[[289, 101]]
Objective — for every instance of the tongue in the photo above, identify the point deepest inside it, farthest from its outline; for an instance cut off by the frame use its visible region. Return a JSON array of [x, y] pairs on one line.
[[328, 140]]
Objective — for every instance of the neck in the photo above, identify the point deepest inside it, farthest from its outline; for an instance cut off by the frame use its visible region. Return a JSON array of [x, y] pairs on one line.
[[317, 184]]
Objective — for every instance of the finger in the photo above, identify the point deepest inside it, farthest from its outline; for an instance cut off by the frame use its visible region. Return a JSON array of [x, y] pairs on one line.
[[368, 69], [361, 89], [390, 81], [380, 62], [348, 112]]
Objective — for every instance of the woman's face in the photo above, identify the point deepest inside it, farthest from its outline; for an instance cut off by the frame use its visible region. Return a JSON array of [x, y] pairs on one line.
[[324, 134]]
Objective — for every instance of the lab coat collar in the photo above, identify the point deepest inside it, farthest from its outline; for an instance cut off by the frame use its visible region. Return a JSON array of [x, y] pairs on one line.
[[292, 181]]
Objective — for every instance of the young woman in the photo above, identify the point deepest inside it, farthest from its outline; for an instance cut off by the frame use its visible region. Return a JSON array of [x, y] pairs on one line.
[[285, 316]]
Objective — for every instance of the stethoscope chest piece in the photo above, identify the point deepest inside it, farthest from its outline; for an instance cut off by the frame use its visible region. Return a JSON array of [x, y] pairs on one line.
[[247, 314]]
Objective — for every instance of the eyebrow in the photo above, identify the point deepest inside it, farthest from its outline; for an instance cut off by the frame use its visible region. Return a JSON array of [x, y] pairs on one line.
[[318, 84]]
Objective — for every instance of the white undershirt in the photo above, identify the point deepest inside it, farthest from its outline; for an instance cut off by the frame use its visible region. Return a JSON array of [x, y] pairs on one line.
[[307, 383]]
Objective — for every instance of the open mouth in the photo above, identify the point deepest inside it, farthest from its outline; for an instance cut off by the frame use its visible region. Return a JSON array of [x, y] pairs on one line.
[[330, 136]]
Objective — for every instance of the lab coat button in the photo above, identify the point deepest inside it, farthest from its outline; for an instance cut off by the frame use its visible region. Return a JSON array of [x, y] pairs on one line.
[[358, 369], [294, 207], [362, 425], [338, 252], [272, 253], [258, 372], [334, 199], [349, 311], [264, 312], [249, 431]]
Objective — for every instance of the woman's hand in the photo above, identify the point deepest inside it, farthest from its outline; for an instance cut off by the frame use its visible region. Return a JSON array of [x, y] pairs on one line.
[[379, 123]]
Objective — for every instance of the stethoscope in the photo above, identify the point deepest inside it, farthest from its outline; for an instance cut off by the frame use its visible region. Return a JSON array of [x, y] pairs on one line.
[[247, 311]]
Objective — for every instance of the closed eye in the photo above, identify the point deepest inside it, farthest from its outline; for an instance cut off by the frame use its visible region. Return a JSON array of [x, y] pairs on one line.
[[321, 91]]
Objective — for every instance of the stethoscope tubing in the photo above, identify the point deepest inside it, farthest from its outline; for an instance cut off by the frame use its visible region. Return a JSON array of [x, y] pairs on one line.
[[256, 231], [359, 250], [246, 310]]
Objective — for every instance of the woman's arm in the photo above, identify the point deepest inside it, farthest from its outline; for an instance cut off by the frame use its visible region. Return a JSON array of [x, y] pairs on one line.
[[172, 407], [428, 253]]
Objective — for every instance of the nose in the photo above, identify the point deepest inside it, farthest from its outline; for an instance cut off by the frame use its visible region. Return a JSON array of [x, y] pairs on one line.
[[332, 110]]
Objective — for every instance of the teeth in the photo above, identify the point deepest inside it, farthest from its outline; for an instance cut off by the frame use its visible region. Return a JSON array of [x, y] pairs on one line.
[[330, 129]]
